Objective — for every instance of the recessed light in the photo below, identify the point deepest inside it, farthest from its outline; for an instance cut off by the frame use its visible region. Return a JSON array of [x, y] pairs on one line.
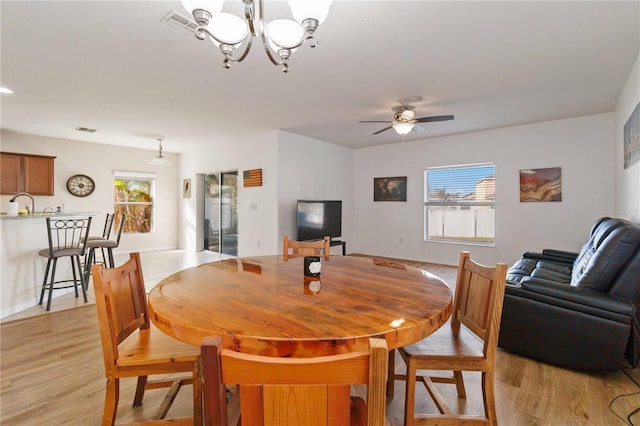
[[4, 90]]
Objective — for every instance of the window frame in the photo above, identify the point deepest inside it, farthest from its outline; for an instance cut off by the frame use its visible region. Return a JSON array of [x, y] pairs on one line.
[[140, 176], [461, 204]]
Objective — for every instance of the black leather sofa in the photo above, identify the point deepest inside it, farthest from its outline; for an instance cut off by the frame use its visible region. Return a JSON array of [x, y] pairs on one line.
[[577, 310]]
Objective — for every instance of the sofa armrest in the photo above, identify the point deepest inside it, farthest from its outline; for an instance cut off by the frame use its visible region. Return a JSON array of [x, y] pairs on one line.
[[581, 299]]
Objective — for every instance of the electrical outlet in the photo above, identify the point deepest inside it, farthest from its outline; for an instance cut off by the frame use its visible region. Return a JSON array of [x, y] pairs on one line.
[[401, 240], [258, 244]]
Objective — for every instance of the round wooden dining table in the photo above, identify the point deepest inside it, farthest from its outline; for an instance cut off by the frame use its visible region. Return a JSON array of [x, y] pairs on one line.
[[265, 305]]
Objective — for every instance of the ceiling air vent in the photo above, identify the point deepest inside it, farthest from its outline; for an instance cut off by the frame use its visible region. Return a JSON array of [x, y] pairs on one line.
[[86, 129], [179, 22]]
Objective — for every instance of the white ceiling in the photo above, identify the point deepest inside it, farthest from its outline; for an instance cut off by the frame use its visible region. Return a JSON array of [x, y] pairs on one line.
[[115, 67]]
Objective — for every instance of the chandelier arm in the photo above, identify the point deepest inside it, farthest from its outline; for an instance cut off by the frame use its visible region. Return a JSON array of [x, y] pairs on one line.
[[228, 52], [264, 37]]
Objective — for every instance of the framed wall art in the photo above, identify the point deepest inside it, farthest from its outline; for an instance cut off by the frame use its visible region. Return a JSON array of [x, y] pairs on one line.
[[541, 185], [186, 188], [390, 188], [632, 138]]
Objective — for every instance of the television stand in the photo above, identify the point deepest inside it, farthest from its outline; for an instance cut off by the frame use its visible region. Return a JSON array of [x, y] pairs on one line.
[[339, 243]]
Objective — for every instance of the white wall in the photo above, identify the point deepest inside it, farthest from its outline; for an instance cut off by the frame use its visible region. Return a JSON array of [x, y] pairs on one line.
[[627, 181], [99, 162], [257, 206], [582, 147], [310, 169], [293, 167]]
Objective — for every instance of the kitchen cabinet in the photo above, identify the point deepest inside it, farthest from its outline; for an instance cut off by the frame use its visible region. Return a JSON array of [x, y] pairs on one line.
[[26, 173]]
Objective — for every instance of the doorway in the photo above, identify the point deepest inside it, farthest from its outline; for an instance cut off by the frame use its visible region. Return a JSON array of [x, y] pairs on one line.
[[221, 213]]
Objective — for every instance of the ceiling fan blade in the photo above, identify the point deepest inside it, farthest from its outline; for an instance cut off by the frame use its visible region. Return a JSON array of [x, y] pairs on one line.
[[375, 121], [434, 118], [382, 130]]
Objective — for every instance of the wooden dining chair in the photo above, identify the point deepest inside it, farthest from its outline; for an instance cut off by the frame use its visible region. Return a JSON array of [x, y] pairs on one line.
[[478, 308], [306, 248], [275, 391], [132, 347]]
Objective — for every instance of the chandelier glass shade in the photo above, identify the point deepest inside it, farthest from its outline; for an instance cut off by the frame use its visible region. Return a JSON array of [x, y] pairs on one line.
[[159, 159], [280, 38]]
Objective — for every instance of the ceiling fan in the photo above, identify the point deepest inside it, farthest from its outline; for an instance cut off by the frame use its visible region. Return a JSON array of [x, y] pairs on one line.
[[404, 120]]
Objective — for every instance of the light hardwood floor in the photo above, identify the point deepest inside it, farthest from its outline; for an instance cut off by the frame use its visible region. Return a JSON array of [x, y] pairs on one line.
[[52, 373]]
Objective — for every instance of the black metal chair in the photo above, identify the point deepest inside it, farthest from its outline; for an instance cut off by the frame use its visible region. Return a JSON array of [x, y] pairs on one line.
[[102, 244], [67, 238], [106, 231]]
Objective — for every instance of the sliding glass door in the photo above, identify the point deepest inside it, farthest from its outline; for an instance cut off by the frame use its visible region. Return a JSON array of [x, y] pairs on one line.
[[221, 213]]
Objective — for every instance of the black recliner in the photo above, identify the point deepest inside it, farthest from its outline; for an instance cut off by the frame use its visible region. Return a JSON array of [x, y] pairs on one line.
[[577, 310]]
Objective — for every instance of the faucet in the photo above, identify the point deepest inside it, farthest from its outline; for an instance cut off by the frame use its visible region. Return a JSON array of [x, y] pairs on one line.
[[26, 194]]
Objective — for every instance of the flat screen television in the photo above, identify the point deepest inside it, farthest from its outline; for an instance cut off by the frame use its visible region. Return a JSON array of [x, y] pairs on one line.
[[317, 219]]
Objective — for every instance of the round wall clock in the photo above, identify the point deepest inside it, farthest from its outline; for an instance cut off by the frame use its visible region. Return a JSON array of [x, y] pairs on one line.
[[80, 185]]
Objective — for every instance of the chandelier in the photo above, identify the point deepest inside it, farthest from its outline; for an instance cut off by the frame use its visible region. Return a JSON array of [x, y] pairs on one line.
[[159, 159], [280, 38]]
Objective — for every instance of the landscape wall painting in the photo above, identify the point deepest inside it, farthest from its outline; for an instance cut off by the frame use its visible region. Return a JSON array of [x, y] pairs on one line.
[[541, 185]]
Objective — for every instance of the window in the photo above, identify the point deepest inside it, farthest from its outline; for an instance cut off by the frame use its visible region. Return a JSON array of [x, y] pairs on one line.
[[459, 204], [133, 195]]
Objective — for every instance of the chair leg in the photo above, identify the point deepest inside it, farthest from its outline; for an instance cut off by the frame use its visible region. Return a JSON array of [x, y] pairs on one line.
[[410, 392], [391, 372], [489, 398], [81, 277], [142, 382], [44, 281], [197, 394], [111, 402], [457, 375], [51, 283], [75, 277], [111, 262], [87, 266]]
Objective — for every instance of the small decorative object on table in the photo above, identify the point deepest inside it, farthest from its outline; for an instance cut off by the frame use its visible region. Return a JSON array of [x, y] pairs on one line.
[[312, 266]]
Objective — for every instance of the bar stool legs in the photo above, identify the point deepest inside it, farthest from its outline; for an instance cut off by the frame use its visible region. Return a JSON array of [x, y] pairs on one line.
[[49, 282]]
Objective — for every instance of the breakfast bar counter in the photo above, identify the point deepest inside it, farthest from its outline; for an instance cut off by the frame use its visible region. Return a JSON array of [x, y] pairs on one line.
[[22, 269]]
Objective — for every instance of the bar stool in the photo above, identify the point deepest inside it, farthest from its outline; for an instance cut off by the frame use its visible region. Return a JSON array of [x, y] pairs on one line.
[[67, 238], [106, 231], [102, 244]]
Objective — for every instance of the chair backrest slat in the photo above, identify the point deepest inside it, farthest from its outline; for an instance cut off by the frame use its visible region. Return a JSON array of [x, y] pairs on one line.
[[306, 248], [68, 233], [108, 224]]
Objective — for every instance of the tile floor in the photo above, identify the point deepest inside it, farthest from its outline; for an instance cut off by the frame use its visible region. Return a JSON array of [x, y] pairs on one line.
[[156, 265]]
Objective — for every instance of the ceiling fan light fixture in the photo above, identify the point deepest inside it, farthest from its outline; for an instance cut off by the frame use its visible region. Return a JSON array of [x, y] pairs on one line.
[[159, 159], [402, 128]]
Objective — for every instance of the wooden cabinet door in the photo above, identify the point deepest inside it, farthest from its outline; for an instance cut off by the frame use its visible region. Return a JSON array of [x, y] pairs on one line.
[[38, 175], [10, 173]]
